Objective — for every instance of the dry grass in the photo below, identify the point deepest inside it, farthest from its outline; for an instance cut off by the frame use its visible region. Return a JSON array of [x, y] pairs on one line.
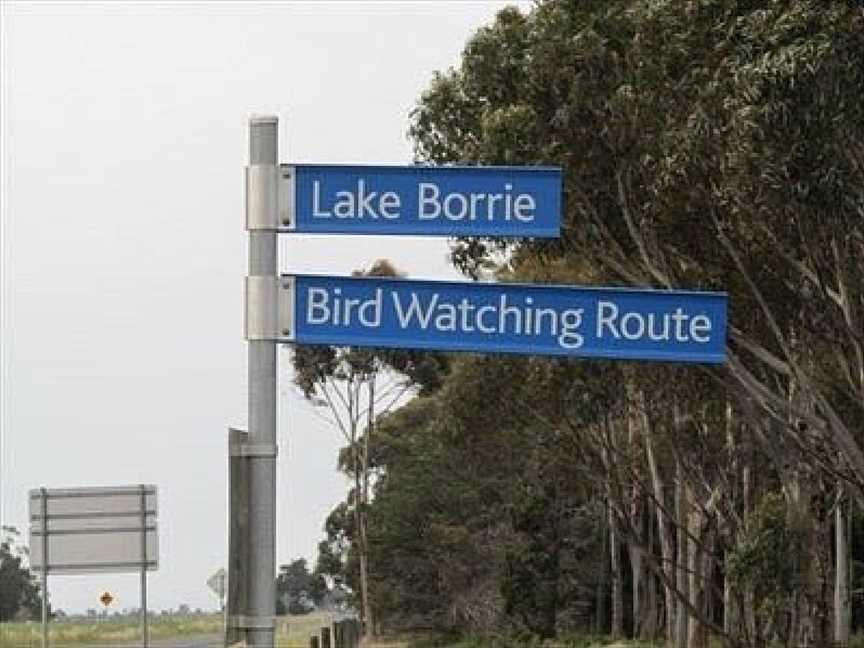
[[291, 631], [78, 634], [295, 631]]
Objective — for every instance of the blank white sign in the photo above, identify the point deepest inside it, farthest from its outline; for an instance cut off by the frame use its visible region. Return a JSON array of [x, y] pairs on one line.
[[95, 529]]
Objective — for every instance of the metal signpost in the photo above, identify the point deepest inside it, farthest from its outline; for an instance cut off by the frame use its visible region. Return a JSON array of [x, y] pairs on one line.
[[614, 323], [237, 597], [85, 530], [257, 620]]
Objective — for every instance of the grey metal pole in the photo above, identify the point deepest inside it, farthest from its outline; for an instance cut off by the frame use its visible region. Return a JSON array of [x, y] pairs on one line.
[[238, 537], [44, 493], [263, 261], [145, 632]]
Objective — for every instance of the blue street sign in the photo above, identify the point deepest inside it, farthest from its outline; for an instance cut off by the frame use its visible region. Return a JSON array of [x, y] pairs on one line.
[[424, 200], [626, 324]]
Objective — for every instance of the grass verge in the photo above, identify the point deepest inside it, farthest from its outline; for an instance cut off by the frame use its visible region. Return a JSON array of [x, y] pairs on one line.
[[295, 631], [108, 631]]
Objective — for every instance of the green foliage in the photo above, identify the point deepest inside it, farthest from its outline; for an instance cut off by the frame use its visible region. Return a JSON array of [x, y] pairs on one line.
[[765, 559], [328, 562], [317, 368], [478, 522], [19, 593], [707, 144], [682, 117], [296, 587]]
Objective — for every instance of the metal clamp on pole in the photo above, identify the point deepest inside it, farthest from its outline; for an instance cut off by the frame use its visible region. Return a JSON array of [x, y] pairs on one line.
[[262, 197], [270, 191], [270, 308], [285, 300], [253, 450], [245, 621], [286, 201]]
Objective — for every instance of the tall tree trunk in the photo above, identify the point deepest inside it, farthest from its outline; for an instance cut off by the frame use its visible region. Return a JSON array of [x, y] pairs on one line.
[[682, 582], [637, 571], [358, 523], [649, 625], [636, 513], [821, 569], [841, 574], [369, 621], [665, 529], [729, 621], [799, 512], [698, 567], [552, 579], [748, 613], [803, 501], [708, 568], [603, 584], [617, 629], [615, 573], [694, 569]]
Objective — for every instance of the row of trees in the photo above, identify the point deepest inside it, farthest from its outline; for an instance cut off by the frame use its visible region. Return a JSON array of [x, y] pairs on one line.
[[706, 145]]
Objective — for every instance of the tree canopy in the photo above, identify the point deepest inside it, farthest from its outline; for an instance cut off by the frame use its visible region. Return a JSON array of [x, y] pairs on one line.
[[705, 144]]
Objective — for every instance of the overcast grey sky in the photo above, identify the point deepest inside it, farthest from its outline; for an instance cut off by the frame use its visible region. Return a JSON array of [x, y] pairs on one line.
[[123, 250]]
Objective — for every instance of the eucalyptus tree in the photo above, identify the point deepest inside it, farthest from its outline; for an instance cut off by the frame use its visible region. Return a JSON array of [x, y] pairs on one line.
[[354, 386], [20, 596], [706, 145], [479, 521]]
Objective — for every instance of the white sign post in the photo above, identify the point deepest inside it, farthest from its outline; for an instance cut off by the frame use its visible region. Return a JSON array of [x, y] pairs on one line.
[[86, 530]]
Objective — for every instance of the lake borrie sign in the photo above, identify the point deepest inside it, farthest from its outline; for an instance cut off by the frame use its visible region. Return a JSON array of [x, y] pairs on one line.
[[420, 200]]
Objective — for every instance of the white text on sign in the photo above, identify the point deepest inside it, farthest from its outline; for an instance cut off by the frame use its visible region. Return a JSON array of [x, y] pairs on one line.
[[505, 316], [360, 203]]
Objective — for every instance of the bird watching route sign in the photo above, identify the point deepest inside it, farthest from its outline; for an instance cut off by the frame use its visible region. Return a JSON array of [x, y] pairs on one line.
[[617, 323], [413, 200]]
